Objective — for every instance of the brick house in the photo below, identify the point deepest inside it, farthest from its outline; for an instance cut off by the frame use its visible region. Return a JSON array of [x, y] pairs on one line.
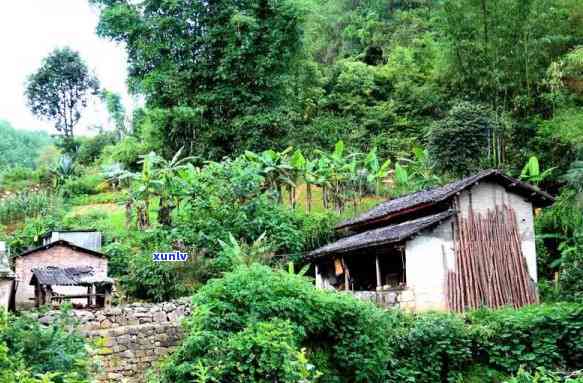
[[62, 254]]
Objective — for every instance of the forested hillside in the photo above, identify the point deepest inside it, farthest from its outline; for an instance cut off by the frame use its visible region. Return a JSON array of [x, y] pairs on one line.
[[21, 148], [264, 124]]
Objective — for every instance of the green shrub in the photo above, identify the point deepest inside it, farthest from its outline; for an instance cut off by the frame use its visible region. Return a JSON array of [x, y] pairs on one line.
[[57, 351], [29, 234], [347, 340], [534, 336], [464, 141], [17, 178], [83, 185], [543, 376], [90, 149], [447, 349], [127, 152]]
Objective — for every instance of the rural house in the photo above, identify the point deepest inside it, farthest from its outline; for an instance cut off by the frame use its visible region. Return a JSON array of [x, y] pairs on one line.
[[464, 245], [62, 269], [6, 277]]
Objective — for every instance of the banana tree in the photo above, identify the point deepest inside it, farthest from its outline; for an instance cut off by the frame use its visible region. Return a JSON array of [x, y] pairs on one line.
[[532, 171], [340, 169], [275, 169], [375, 171], [167, 173], [298, 163], [146, 186]]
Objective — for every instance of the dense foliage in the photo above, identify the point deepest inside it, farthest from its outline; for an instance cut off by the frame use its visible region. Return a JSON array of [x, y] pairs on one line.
[[20, 148], [340, 339], [208, 70], [33, 353]]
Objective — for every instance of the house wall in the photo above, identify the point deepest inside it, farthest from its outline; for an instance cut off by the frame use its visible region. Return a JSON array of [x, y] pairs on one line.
[[430, 254], [5, 287], [61, 256], [427, 258], [486, 196]]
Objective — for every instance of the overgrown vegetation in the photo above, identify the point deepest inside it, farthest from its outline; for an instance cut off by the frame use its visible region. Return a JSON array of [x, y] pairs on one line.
[[264, 124], [33, 353], [329, 337]]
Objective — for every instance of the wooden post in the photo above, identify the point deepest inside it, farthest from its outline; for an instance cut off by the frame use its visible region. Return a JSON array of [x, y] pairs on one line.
[[378, 267], [37, 295], [346, 276], [107, 298], [318, 277], [89, 300], [48, 297]]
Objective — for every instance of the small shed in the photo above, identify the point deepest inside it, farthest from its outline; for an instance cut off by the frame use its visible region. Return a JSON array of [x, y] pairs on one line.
[[464, 245], [88, 239], [44, 279], [61, 254]]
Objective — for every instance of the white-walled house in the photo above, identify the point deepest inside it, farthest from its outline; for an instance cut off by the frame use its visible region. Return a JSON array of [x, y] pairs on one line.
[[464, 245], [6, 277]]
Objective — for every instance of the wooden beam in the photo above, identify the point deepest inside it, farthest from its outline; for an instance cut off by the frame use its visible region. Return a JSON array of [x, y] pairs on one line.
[[346, 276], [318, 277], [378, 269]]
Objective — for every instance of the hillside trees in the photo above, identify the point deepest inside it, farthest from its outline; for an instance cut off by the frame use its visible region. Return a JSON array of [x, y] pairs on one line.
[[20, 148], [59, 90], [470, 138], [215, 71], [500, 51]]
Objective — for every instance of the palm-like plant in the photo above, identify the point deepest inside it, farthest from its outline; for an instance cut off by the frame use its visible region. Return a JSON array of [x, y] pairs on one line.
[[340, 169], [166, 172], [64, 169], [375, 171], [532, 171], [275, 169]]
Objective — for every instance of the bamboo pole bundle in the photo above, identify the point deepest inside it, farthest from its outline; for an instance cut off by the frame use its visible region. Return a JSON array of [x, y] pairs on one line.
[[490, 269]]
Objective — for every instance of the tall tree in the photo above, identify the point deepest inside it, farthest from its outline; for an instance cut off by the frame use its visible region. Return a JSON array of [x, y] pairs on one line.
[[501, 49], [60, 89], [116, 110], [215, 70]]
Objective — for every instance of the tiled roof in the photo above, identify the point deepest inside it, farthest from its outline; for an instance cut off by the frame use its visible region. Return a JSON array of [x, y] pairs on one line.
[[381, 236], [442, 193]]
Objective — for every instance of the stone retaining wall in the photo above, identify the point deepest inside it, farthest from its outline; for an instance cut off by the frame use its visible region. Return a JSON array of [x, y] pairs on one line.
[[130, 339], [397, 298]]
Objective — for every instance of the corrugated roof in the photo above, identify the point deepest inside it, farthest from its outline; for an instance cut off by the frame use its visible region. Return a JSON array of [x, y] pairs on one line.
[[439, 194], [62, 242], [69, 276], [381, 236]]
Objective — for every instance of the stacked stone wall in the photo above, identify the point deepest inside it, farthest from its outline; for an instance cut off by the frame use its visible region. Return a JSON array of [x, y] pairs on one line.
[[130, 340]]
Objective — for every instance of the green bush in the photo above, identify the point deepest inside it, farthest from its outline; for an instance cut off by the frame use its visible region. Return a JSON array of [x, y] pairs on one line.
[[17, 207], [464, 141], [29, 234], [17, 178], [351, 341], [84, 185], [126, 152], [57, 352], [90, 149], [446, 342], [534, 336], [543, 376], [347, 340]]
